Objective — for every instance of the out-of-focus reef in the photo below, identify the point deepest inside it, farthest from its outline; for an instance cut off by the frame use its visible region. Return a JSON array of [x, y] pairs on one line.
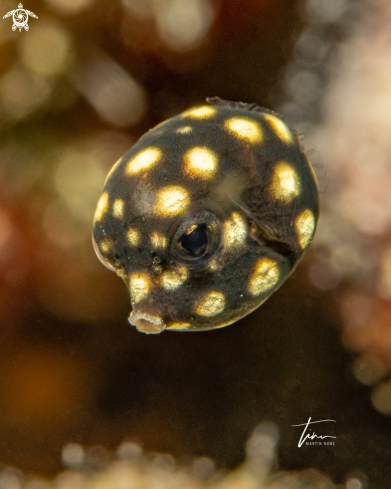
[[96, 468]]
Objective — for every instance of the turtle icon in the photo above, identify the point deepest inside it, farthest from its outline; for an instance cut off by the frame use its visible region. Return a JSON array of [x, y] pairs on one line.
[[20, 17]]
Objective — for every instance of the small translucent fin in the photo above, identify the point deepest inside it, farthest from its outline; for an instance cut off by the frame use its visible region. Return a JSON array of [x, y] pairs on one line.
[[240, 105]]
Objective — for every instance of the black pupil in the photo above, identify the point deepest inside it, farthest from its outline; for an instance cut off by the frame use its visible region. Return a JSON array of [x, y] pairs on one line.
[[195, 242]]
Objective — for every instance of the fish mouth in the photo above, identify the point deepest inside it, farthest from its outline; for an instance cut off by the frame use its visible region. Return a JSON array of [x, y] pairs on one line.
[[146, 322]]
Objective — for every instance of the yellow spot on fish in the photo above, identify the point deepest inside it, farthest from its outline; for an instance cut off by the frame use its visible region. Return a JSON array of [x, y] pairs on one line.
[[178, 326], [211, 304], [143, 160], [158, 240], [215, 265], [235, 231], [245, 129], [133, 237], [280, 128], [101, 208], [172, 279], [305, 225], [105, 245], [171, 200], [264, 277], [200, 162], [118, 208], [285, 182], [184, 130], [203, 112], [139, 285]]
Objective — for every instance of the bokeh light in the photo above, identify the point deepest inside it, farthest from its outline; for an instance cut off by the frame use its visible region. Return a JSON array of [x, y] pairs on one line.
[[68, 7], [47, 50]]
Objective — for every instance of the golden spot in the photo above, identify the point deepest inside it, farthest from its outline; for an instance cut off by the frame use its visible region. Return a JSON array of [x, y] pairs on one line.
[[200, 162], [118, 208], [172, 279], [184, 130], [105, 245], [264, 277], [245, 129], [143, 160], [133, 237], [139, 284], [305, 226], [178, 326], [235, 231], [101, 208], [280, 128], [215, 265], [158, 240], [203, 112], [285, 182], [113, 168], [171, 200], [211, 305]]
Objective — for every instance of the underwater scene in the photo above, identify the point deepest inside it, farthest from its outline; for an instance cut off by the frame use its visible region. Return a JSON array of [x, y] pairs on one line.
[[195, 244]]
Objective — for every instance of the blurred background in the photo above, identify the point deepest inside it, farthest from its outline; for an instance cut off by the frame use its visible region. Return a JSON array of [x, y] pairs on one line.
[[77, 89]]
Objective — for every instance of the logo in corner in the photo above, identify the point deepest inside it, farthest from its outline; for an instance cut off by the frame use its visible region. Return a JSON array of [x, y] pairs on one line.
[[20, 17], [312, 438]]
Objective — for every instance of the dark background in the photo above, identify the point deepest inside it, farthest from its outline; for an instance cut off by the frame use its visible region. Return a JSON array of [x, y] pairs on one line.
[[71, 367]]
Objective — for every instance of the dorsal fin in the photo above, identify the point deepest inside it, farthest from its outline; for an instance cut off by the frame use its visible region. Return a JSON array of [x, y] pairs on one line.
[[240, 105]]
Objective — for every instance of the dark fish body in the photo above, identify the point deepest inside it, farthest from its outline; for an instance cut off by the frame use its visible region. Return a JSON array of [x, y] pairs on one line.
[[206, 216]]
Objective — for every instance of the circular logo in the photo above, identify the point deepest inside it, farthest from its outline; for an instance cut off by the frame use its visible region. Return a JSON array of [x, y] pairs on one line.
[[20, 18]]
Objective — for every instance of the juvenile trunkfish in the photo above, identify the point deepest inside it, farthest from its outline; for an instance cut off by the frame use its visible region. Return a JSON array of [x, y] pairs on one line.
[[206, 216]]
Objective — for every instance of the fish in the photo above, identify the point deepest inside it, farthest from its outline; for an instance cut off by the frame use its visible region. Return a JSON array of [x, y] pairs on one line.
[[206, 216]]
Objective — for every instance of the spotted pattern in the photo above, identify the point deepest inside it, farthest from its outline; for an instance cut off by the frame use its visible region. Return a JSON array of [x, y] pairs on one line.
[[172, 279], [139, 285], [280, 128], [133, 237], [144, 160], [118, 208], [158, 240], [101, 208], [171, 200], [286, 182], [184, 130], [200, 162], [264, 277], [211, 304], [244, 129], [179, 326], [305, 227], [106, 245], [206, 216], [235, 231], [203, 112]]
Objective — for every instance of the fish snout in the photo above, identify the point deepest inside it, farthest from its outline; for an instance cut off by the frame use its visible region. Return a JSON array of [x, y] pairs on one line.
[[147, 319]]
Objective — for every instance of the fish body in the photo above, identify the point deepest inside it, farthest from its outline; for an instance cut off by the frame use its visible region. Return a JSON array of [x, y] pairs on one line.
[[206, 216]]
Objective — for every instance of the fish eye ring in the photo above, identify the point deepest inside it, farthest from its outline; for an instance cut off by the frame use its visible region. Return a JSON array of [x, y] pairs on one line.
[[197, 239]]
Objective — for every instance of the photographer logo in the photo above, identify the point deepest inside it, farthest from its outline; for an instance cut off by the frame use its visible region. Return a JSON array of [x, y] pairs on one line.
[[20, 17], [312, 438]]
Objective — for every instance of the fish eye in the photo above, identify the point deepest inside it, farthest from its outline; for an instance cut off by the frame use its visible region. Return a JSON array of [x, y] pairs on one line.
[[197, 239]]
